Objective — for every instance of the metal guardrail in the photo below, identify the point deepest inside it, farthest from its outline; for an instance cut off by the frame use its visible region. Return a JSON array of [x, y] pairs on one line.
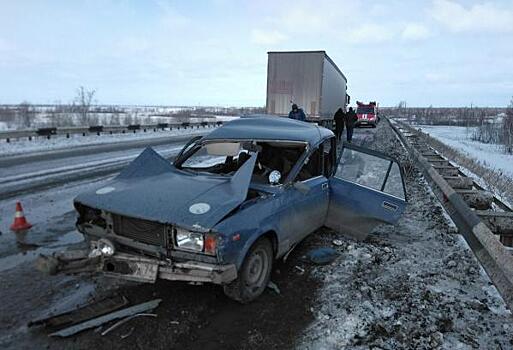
[[495, 258], [8, 136]]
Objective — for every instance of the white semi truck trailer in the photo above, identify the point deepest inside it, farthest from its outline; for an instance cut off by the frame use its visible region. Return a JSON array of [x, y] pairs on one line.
[[309, 79]]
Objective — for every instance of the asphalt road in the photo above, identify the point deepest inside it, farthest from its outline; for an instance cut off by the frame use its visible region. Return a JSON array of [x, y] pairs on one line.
[[39, 158], [32, 172]]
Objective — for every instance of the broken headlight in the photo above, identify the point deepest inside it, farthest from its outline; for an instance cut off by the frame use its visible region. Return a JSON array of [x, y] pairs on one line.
[[189, 240], [102, 247]]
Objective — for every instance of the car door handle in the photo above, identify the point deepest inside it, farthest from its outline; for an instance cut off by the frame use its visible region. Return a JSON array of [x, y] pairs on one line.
[[389, 206], [324, 186]]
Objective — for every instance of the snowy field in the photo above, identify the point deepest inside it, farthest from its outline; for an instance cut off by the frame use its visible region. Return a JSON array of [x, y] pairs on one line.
[[458, 137], [14, 117]]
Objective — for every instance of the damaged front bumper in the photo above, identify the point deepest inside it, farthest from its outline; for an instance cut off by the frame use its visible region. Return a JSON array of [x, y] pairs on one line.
[[135, 268]]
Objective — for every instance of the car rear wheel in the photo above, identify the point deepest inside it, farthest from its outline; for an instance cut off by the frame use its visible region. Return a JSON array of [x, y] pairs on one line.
[[254, 273]]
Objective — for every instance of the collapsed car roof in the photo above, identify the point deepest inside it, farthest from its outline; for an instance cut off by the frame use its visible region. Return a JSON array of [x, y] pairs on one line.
[[269, 127]]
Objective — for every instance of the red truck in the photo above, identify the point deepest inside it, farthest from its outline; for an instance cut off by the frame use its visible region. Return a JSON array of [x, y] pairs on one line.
[[367, 114]]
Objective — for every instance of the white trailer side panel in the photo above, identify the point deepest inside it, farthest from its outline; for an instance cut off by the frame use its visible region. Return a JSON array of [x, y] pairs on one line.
[[294, 77], [334, 87]]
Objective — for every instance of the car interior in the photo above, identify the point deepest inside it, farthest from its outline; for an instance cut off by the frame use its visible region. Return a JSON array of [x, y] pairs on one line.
[[320, 162], [227, 157]]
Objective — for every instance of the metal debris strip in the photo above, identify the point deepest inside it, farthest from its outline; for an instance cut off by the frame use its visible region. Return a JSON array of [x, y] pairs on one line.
[[286, 256], [274, 287], [86, 312], [95, 322], [300, 269], [126, 335], [125, 320]]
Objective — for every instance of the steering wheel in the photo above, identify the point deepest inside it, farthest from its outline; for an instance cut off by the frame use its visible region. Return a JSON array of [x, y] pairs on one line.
[[265, 168]]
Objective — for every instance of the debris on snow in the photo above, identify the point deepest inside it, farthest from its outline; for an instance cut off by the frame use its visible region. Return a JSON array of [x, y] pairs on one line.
[[95, 322], [123, 321], [274, 287], [337, 242], [321, 256], [86, 312], [126, 335], [300, 269]]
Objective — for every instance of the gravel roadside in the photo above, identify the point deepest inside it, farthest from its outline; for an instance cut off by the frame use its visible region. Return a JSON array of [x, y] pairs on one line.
[[415, 285]]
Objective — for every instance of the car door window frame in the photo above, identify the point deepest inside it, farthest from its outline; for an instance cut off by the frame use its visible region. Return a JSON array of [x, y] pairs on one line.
[[187, 148], [306, 158], [305, 163], [377, 154], [332, 154]]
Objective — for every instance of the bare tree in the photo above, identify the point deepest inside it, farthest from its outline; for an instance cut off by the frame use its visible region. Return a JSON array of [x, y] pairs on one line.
[[7, 115], [25, 114], [84, 100], [507, 128], [114, 120], [128, 119]]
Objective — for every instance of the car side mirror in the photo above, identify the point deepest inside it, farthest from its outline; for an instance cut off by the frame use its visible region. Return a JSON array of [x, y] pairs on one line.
[[274, 177], [301, 187]]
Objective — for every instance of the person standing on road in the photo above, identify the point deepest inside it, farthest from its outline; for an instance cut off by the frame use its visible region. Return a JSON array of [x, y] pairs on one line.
[[297, 113], [350, 121], [339, 123]]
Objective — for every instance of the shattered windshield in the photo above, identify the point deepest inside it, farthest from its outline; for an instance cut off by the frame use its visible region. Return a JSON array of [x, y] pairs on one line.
[[225, 158], [222, 158]]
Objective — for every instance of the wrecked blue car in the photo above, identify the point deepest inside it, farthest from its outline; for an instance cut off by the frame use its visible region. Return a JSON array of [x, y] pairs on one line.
[[231, 203]]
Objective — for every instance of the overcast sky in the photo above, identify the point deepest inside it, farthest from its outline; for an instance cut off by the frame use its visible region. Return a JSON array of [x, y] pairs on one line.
[[439, 52]]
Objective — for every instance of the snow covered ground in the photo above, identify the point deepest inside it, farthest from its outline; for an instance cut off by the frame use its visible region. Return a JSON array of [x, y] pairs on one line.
[[415, 285], [458, 137]]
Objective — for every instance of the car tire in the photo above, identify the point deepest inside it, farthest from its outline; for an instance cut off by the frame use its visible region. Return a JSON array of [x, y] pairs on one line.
[[254, 274]]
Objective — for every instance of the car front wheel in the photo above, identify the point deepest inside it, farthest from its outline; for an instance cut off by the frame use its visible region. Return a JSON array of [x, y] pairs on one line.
[[254, 273]]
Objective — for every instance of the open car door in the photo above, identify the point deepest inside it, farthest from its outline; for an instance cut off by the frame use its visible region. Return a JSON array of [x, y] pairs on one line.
[[367, 189]]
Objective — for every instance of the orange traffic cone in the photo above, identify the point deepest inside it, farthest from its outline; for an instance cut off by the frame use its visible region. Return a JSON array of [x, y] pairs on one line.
[[20, 223]]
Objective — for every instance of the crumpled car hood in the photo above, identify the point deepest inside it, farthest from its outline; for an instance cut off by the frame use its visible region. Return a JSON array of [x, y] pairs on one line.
[[151, 188]]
